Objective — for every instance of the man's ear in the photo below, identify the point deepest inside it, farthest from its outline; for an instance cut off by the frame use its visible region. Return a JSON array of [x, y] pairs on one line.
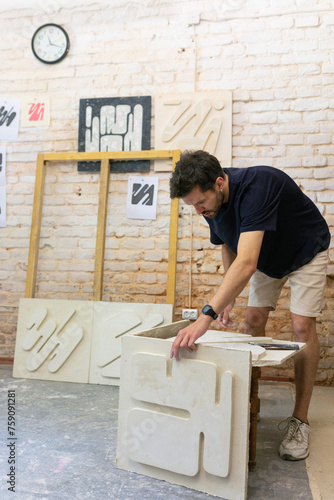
[[220, 183]]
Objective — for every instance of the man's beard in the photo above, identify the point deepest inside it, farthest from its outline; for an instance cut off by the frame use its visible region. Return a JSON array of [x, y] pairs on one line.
[[211, 214]]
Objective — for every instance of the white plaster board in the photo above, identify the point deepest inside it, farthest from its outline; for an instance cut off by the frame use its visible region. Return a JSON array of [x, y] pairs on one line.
[[194, 120], [236, 343], [270, 357], [218, 335], [94, 329], [275, 358], [55, 336], [260, 357], [112, 320], [161, 404], [238, 340], [257, 351]]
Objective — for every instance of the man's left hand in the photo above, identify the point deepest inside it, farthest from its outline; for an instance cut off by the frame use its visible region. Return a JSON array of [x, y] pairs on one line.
[[224, 318]]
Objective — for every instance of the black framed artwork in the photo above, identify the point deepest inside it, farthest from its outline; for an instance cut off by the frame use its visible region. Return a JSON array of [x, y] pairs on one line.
[[115, 124]]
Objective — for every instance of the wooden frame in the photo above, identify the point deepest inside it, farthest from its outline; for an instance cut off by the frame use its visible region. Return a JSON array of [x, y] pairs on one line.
[[105, 158]]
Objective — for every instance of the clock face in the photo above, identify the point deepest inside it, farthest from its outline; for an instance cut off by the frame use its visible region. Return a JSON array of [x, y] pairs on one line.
[[50, 43]]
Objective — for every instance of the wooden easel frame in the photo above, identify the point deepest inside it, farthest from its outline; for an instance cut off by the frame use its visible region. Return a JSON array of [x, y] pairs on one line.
[[105, 158]]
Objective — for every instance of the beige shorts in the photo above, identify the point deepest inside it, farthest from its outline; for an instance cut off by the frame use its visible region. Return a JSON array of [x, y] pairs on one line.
[[307, 286]]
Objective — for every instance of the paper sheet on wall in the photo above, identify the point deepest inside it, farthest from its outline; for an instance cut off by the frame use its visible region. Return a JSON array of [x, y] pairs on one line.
[[2, 206], [2, 165], [142, 197], [35, 111], [9, 120]]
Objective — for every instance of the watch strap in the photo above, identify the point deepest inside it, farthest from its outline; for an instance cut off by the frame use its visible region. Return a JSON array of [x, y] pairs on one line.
[[208, 311]]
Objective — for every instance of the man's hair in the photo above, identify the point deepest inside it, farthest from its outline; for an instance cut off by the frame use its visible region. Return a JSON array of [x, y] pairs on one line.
[[194, 168]]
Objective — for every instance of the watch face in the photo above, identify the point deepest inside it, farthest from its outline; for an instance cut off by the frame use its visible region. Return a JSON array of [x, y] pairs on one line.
[[50, 43], [209, 312]]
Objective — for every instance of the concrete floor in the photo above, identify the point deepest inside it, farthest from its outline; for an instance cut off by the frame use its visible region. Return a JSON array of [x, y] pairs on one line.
[[66, 444], [320, 464]]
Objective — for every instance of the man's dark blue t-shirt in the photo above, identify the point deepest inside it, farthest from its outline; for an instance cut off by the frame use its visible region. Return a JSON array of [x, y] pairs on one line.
[[265, 198]]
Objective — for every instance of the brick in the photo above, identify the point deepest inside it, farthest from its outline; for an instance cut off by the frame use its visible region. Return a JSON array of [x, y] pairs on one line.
[[302, 58], [329, 184], [281, 23], [293, 128], [244, 141], [306, 21], [324, 173], [315, 116], [264, 117], [270, 105], [140, 244], [314, 161], [320, 139], [325, 197], [328, 68], [311, 104], [292, 139], [326, 149], [256, 49], [313, 185], [309, 69], [146, 278]]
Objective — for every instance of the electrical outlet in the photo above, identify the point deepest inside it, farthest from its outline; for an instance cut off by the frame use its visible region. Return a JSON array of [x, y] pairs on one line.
[[189, 314]]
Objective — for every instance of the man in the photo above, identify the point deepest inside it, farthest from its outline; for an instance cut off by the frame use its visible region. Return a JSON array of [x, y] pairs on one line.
[[269, 232]]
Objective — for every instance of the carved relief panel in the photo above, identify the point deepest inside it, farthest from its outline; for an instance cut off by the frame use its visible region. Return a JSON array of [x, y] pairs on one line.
[[187, 421], [198, 120]]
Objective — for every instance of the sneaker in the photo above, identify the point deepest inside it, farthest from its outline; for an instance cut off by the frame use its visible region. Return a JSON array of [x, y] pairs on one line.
[[295, 442]]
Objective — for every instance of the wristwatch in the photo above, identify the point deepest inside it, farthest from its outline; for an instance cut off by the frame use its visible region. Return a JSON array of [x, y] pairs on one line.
[[208, 311]]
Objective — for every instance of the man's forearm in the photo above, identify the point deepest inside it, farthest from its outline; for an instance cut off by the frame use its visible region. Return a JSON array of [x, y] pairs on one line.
[[228, 257], [235, 280], [238, 269]]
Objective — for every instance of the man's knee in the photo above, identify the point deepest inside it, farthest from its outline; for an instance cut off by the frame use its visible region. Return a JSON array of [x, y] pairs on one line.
[[256, 319], [304, 328]]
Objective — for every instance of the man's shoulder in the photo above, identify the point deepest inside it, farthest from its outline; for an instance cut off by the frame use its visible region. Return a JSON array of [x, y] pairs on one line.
[[252, 170], [247, 174]]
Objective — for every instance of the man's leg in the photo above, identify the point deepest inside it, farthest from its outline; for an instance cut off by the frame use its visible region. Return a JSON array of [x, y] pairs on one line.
[[255, 320], [295, 444], [306, 363]]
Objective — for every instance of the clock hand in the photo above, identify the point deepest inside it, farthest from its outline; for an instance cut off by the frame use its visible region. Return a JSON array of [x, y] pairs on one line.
[[53, 44]]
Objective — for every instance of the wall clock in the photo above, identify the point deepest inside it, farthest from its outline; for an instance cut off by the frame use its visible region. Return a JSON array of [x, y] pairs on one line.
[[50, 43]]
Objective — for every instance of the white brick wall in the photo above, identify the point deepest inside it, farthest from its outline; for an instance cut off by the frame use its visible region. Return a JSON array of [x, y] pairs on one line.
[[276, 57]]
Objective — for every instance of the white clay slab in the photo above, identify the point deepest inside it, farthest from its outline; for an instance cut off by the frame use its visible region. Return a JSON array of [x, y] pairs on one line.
[[112, 320], [218, 339], [211, 334], [78, 341], [213, 339], [53, 340], [216, 336], [187, 421], [257, 351], [239, 340]]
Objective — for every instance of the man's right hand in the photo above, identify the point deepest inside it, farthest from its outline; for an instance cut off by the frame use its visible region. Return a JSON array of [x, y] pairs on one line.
[[187, 336]]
